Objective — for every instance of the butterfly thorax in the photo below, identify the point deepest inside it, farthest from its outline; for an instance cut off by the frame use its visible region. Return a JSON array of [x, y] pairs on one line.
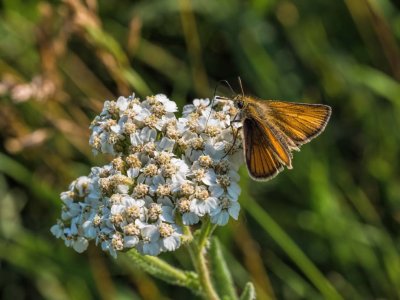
[[251, 108]]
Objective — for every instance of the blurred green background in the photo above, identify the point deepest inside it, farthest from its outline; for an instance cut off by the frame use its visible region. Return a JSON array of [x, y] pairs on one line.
[[328, 229]]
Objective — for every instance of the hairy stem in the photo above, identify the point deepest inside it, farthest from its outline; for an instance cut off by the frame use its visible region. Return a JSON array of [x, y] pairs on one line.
[[197, 253]]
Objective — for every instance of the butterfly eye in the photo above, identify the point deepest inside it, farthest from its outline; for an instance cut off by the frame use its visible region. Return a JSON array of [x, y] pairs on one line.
[[240, 104]]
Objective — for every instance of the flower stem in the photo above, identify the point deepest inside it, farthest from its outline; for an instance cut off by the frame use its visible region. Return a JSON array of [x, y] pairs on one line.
[[187, 236], [197, 253], [205, 232]]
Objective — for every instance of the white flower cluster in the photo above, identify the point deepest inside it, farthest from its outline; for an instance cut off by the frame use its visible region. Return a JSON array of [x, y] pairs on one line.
[[167, 172]]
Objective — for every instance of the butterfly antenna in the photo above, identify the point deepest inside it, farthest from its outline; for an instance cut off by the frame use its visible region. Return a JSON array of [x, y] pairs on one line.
[[215, 93], [230, 87], [212, 100], [241, 86]]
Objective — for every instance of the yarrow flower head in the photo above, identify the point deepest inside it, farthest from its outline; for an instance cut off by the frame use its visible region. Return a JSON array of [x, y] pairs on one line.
[[167, 172]]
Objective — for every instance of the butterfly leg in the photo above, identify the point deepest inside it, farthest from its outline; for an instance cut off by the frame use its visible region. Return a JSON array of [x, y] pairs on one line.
[[235, 135]]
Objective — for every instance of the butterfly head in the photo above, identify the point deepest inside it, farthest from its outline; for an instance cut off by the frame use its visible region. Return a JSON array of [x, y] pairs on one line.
[[240, 102]]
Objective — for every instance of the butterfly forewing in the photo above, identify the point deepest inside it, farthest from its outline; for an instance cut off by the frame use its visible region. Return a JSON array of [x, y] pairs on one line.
[[261, 160], [299, 121]]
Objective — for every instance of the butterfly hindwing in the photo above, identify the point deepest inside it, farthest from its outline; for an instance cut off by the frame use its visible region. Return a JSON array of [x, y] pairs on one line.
[[262, 161]]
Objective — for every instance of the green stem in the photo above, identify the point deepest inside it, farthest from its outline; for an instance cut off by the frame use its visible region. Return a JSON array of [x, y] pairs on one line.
[[197, 253], [205, 232], [204, 277], [187, 236]]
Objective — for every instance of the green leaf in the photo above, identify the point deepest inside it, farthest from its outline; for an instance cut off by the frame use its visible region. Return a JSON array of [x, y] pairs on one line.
[[249, 292], [221, 275], [164, 271]]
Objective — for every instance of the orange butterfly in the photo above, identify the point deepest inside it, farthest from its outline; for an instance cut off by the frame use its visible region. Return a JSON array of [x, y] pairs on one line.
[[273, 129]]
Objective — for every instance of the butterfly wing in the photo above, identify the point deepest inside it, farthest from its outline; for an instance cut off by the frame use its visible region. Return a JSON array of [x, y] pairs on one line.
[[261, 158], [300, 122]]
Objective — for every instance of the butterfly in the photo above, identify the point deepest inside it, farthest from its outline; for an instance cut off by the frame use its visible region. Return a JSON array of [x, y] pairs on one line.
[[272, 129]]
